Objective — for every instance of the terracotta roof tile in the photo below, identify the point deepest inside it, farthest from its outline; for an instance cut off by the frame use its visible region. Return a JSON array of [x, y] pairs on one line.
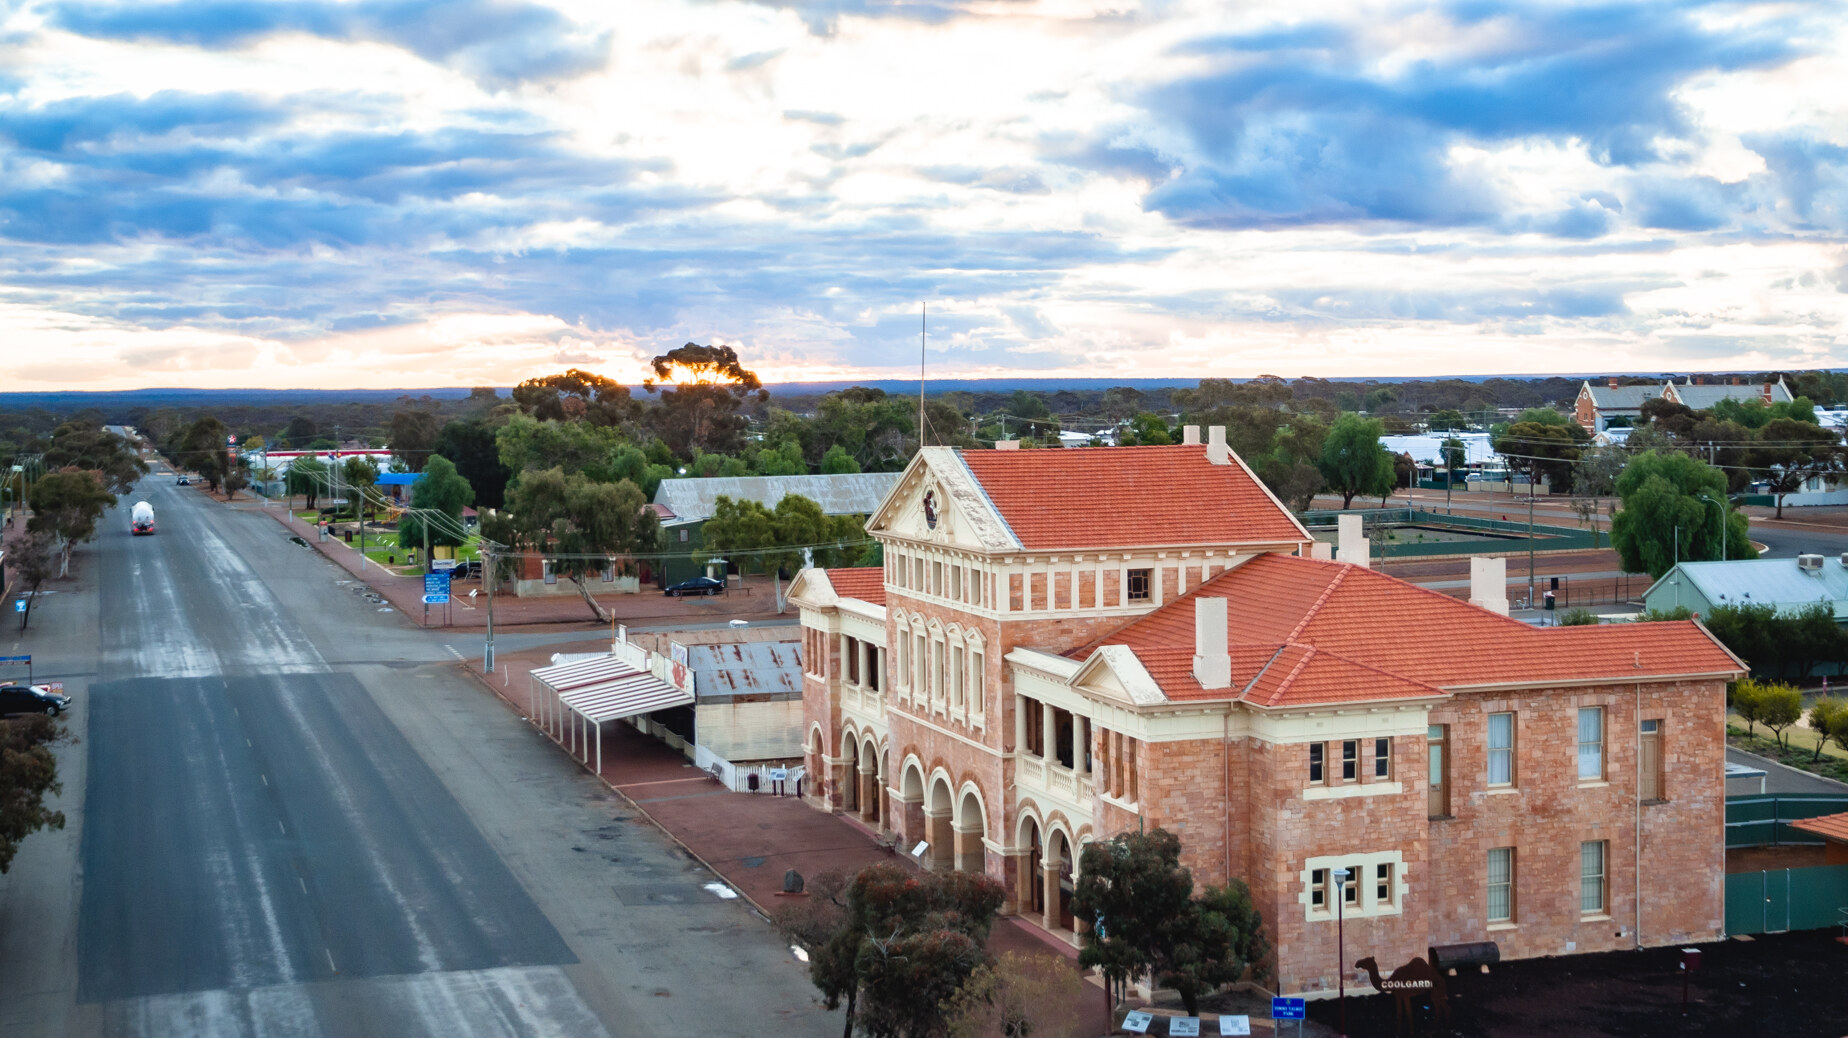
[[866, 583], [1834, 827], [1097, 497], [1405, 636]]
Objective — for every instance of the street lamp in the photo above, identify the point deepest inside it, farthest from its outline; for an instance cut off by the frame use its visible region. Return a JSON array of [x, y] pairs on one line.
[[1722, 507], [1341, 878]]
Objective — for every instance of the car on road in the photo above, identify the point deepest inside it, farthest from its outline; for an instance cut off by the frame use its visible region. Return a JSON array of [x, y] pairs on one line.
[[696, 586], [183, 481], [31, 699]]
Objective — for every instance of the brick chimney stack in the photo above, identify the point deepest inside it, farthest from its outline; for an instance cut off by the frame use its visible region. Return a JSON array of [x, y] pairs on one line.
[[1767, 392], [1613, 381]]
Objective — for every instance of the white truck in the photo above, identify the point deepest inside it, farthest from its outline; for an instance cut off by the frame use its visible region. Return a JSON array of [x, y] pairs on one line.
[[141, 518]]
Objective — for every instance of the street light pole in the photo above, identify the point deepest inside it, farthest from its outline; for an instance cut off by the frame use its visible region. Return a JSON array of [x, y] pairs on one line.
[[1341, 878], [1533, 477], [487, 579]]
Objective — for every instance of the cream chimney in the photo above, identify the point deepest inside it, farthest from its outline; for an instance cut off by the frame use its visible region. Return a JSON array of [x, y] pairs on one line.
[[1007, 445], [1350, 545], [1321, 550], [1190, 435], [1216, 450], [1488, 584], [1212, 662]]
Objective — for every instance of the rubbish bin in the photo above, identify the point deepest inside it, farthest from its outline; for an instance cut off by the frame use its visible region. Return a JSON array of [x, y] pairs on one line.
[[349, 535]]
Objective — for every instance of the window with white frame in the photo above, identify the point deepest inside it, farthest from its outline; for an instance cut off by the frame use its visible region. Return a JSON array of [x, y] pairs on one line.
[[1350, 760], [1501, 884], [1318, 765], [1592, 886], [1591, 743], [978, 700], [1501, 749], [1382, 760], [956, 677], [1374, 886]]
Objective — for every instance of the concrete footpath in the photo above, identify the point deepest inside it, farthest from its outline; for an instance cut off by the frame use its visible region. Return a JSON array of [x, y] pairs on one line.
[[749, 840]]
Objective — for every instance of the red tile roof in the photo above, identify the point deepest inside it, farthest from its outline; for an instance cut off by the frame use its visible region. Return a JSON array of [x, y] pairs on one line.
[[1834, 827], [1101, 497], [1340, 625], [866, 583]]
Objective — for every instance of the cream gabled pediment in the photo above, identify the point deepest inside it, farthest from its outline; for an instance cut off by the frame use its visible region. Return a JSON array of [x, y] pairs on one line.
[[937, 500], [1114, 673]]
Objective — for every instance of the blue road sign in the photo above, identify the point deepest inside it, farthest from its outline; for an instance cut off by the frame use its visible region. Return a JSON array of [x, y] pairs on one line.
[[436, 588], [19, 605], [1288, 1009]]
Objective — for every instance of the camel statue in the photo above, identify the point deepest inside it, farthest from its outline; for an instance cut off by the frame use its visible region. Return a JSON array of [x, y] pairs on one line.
[[1416, 980]]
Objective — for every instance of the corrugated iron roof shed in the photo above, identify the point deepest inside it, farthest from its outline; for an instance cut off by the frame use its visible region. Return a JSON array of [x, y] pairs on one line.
[[746, 668], [852, 493], [1777, 582]]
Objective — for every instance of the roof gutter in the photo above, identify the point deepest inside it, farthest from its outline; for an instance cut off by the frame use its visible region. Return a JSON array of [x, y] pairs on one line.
[[1619, 679]]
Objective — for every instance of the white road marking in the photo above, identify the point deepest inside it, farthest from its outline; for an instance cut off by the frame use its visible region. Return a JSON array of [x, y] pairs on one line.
[[264, 777]]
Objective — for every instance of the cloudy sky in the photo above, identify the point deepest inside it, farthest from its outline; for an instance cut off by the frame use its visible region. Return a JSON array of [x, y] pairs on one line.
[[395, 193]]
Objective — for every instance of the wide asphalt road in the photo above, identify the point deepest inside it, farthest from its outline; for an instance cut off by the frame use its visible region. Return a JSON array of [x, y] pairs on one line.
[[295, 820]]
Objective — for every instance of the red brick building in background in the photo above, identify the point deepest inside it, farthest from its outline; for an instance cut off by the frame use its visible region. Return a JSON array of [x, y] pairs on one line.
[[1062, 645]]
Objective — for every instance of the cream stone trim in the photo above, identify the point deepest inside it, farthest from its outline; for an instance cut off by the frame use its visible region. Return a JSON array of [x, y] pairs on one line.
[[861, 610], [1114, 672], [1365, 906], [1353, 789], [925, 722], [1354, 721]]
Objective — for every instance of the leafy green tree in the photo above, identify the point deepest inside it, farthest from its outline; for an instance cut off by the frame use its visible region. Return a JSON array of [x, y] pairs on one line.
[[67, 505], [300, 432], [202, 448], [28, 771], [1544, 451], [575, 395], [1141, 898], [1751, 632], [237, 477], [1748, 701], [701, 412], [85, 445], [838, 462], [1664, 518], [1018, 996], [470, 444], [1779, 707], [442, 489], [582, 525], [1791, 453], [309, 477], [784, 459], [1579, 617], [876, 430], [413, 433], [631, 463], [530, 445], [1594, 476], [32, 559], [358, 475], [893, 945], [1665, 615], [1353, 461], [1448, 420], [1828, 719]]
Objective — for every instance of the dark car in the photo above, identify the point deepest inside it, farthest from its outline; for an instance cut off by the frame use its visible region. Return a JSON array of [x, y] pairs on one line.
[[30, 699], [183, 481], [696, 586]]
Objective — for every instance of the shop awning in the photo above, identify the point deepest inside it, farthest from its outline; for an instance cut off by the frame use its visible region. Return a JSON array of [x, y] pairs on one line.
[[624, 697]]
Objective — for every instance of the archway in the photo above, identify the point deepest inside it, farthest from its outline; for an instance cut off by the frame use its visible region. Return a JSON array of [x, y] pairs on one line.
[[1032, 881], [1061, 872], [971, 828], [939, 822], [849, 781], [909, 811], [871, 778]]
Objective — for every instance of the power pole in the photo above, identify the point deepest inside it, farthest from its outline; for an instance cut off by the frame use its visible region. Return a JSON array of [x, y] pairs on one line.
[[487, 579]]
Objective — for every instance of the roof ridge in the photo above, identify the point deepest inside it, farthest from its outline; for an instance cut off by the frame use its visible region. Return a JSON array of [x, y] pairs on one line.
[[1259, 676], [1321, 600], [1309, 653]]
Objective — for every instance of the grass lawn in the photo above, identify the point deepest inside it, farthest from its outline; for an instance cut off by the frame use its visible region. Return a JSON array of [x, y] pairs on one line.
[[1802, 747]]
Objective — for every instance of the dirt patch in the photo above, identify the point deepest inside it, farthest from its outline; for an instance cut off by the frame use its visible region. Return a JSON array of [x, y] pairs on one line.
[[1788, 985]]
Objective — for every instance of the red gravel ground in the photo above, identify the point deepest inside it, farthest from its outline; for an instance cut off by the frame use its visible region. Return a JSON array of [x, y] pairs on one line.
[[1792, 985]]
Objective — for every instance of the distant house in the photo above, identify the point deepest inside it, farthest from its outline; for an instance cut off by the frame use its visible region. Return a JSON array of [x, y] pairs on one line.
[[1597, 406], [684, 505], [1789, 584]]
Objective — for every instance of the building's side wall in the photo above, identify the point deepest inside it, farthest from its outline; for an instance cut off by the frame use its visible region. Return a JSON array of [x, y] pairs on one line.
[[1548, 812], [751, 728]]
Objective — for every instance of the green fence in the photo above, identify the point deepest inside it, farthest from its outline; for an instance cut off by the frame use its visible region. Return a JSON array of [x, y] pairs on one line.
[[1786, 899], [1758, 821]]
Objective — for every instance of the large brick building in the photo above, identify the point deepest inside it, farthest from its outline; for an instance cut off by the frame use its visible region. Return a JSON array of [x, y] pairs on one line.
[[1067, 644]]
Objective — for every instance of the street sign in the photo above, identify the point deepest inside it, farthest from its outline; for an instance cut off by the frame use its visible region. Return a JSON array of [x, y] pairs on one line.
[[19, 605], [436, 588], [1234, 1025], [1138, 1021], [1289, 1009], [443, 565], [24, 660], [1184, 1026]]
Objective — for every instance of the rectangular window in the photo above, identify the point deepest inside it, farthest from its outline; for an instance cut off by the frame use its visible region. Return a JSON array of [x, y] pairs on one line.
[[904, 664], [1501, 885], [956, 677], [1318, 889], [1382, 884], [1139, 585], [873, 656], [936, 578], [1591, 743], [1033, 720], [1350, 892], [976, 580], [1649, 759], [850, 654], [921, 663], [1317, 771], [1591, 877], [1501, 749], [550, 574], [977, 701], [1382, 759], [1437, 753], [683, 536], [1350, 760], [938, 672], [956, 582]]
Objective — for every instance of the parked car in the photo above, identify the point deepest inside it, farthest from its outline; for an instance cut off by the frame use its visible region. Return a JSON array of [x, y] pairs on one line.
[[183, 481], [696, 586], [31, 699]]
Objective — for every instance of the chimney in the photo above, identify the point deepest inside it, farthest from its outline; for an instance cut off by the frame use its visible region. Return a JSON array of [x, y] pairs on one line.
[[1007, 445], [1350, 545], [1488, 584], [1613, 381], [1216, 450], [1767, 392], [1737, 381], [1326, 551], [1212, 662], [1190, 435]]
